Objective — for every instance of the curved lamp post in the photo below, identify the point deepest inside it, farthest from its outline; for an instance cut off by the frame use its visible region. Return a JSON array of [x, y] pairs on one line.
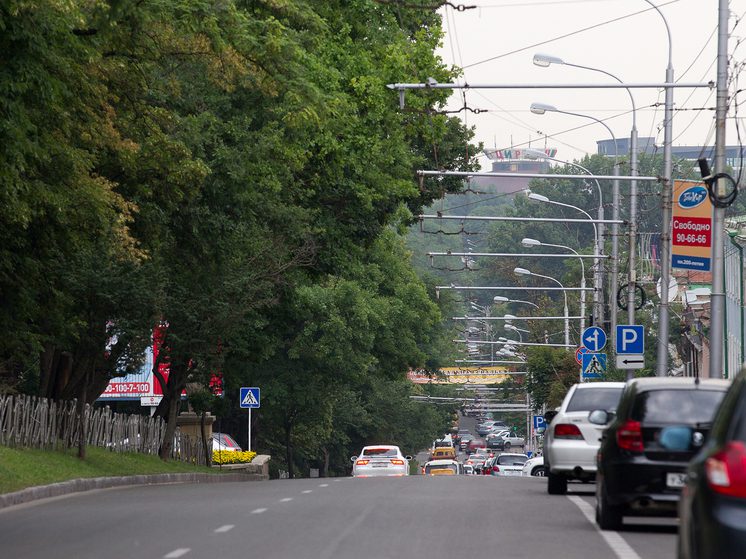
[[597, 262], [525, 272], [501, 299], [540, 109], [536, 243], [544, 60]]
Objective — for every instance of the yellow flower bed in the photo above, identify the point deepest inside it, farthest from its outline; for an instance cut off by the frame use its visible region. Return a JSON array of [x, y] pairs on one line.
[[232, 457]]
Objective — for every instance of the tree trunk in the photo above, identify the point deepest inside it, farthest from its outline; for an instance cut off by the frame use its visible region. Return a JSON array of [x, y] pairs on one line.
[[205, 447], [83, 426], [325, 469], [289, 449], [168, 439]]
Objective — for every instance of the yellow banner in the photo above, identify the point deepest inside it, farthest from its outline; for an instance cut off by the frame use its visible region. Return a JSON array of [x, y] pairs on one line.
[[461, 375]]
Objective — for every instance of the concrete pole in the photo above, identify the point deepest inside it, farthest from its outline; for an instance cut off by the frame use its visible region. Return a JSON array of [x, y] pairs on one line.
[[614, 284], [717, 299]]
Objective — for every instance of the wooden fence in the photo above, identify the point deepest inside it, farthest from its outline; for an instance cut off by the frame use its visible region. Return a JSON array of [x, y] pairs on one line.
[[32, 422]]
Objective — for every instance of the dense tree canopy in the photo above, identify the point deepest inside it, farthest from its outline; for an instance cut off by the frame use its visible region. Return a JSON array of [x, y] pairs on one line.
[[238, 172]]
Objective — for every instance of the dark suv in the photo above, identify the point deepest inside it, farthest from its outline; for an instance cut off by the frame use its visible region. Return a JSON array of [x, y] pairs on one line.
[[642, 459], [713, 504]]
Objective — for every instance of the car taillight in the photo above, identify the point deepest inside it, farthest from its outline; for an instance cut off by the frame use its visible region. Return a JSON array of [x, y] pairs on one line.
[[397, 462], [629, 436], [726, 470], [496, 469], [362, 462], [567, 431]]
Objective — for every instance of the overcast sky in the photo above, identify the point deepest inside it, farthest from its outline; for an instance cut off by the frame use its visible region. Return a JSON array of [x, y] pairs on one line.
[[494, 44]]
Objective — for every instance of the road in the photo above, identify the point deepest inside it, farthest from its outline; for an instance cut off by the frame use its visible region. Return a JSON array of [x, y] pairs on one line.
[[415, 517]]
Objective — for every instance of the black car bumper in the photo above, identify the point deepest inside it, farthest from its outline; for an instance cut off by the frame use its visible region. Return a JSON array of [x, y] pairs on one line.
[[643, 487]]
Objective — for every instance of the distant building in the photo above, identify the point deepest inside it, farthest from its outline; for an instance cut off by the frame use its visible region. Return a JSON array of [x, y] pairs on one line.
[[733, 154], [518, 161]]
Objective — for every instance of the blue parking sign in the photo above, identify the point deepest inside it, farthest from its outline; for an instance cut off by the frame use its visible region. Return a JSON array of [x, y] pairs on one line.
[[630, 339]]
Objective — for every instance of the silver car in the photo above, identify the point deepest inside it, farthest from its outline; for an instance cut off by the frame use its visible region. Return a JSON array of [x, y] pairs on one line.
[[571, 441], [380, 460]]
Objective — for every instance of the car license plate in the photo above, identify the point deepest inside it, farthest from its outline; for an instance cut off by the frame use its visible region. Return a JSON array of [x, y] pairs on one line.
[[675, 480]]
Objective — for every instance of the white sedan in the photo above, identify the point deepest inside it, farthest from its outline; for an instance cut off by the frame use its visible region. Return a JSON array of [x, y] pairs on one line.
[[534, 467], [380, 460], [509, 464]]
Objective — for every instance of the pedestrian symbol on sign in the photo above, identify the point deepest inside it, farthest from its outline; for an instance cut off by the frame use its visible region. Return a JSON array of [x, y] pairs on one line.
[[594, 365], [249, 399]]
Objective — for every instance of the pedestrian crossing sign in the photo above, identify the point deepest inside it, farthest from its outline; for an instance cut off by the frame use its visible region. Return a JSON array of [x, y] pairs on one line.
[[594, 365], [249, 397]]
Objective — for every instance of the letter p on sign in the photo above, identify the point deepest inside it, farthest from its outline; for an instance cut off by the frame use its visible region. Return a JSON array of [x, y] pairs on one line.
[[630, 339]]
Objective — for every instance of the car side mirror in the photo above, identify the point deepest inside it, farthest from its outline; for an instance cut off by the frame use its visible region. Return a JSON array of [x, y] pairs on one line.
[[353, 458], [600, 417], [549, 415], [408, 457], [540, 430]]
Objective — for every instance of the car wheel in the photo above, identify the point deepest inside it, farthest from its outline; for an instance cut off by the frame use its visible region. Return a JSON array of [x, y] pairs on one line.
[[608, 516], [539, 471], [506, 447], [556, 484]]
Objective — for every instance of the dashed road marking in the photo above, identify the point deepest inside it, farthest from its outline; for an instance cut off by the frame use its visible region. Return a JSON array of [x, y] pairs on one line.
[[286, 499], [323, 485], [225, 528], [177, 553], [258, 511], [308, 491], [615, 541]]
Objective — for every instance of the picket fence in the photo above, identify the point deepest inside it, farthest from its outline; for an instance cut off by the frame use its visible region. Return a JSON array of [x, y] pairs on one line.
[[33, 422]]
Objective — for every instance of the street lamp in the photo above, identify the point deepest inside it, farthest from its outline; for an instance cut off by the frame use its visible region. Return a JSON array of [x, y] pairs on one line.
[[544, 60], [501, 299], [597, 276], [528, 243], [525, 272], [540, 109]]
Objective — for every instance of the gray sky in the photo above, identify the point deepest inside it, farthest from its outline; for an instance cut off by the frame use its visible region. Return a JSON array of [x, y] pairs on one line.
[[634, 48]]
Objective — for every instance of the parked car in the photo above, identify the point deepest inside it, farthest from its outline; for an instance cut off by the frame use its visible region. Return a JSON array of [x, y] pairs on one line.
[[380, 460], [659, 425], [505, 440], [534, 466], [713, 502], [494, 439], [508, 464], [571, 441], [224, 442], [468, 469]]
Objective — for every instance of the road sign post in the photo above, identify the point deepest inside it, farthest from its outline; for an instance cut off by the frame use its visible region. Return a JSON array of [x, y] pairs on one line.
[[249, 397], [594, 365], [630, 346]]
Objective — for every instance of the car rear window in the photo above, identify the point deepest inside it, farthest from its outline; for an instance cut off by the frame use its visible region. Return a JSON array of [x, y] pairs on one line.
[[451, 467], [589, 399], [504, 460], [380, 452], [676, 406]]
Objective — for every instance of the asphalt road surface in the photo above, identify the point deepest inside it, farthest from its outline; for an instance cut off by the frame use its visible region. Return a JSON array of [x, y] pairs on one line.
[[338, 518]]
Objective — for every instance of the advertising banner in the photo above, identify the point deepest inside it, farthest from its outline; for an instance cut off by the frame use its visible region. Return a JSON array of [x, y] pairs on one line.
[[459, 375], [692, 227]]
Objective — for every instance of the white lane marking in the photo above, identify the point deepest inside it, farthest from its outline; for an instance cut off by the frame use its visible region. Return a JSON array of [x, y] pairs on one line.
[[616, 542], [286, 500], [177, 553], [308, 491], [323, 485], [258, 511], [226, 528], [337, 480]]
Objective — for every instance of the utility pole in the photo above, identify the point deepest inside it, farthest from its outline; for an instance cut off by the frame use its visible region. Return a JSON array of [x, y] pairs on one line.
[[717, 300]]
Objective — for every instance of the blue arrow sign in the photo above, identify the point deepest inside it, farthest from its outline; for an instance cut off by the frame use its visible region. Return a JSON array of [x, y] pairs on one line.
[[630, 339], [593, 338], [249, 397], [594, 365]]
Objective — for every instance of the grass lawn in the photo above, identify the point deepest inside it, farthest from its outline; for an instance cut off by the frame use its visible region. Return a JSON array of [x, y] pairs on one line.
[[21, 467]]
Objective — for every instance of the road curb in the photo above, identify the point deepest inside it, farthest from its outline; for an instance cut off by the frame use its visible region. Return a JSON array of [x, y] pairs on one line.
[[90, 484]]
